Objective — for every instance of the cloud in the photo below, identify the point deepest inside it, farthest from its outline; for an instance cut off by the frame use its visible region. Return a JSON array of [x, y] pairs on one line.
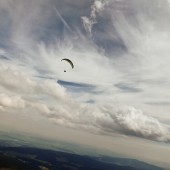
[[51, 100], [11, 101], [32, 78], [125, 87], [133, 121], [78, 87], [13, 80], [97, 7], [157, 103], [108, 120], [63, 20]]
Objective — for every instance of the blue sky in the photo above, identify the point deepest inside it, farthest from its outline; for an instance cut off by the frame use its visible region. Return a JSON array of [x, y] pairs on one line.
[[120, 49]]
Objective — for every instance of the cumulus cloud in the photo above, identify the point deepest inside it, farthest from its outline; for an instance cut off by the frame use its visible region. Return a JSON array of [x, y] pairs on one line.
[[108, 120], [11, 101], [97, 7], [12, 79], [51, 100], [135, 122], [16, 82]]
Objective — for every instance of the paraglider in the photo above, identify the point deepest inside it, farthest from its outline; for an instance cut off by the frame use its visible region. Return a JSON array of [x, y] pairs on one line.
[[69, 61]]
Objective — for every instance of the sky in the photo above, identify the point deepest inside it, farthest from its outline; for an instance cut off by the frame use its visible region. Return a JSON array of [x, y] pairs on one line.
[[119, 87]]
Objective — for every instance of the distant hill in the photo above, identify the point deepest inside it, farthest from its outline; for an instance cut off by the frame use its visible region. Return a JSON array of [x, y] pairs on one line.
[[128, 162], [22, 151], [26, 158]]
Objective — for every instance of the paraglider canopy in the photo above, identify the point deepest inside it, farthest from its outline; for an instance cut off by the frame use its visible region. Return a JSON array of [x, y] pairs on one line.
[[69, 61]]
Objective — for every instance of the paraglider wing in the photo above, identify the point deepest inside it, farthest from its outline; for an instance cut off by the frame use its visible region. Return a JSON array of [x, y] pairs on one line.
[[71, 63]]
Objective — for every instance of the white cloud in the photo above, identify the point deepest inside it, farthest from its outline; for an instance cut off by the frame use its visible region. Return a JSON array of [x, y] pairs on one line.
[[52, 88], [141, 66], [87, 23], [12, 79], [133, 121], [59, 107], [108, 120], [97, 7], [11, 101]]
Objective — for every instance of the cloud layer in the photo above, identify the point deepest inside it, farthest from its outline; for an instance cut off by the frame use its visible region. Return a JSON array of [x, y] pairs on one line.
[[51, 100], [107, 86]]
